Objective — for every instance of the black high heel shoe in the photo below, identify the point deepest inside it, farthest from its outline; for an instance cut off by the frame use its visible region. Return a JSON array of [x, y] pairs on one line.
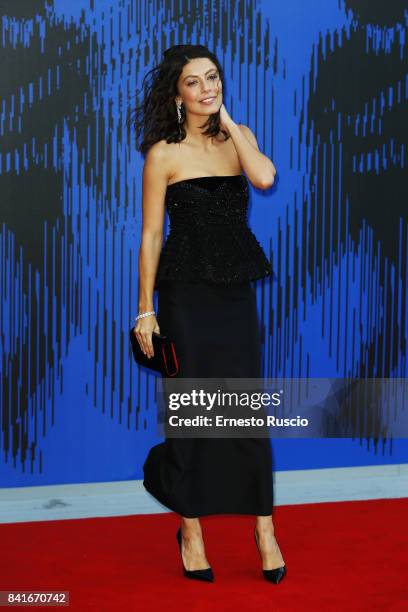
[[200, 574], [272, 575]]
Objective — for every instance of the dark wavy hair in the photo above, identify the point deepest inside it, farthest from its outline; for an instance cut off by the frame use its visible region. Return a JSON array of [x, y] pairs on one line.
[[156, 117]]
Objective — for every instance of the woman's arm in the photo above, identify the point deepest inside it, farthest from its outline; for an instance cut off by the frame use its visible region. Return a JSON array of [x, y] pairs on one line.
[[257, 166], [155, 177]]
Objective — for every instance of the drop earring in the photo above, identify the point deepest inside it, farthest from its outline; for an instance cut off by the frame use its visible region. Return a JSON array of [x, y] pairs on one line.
[[179, 117]]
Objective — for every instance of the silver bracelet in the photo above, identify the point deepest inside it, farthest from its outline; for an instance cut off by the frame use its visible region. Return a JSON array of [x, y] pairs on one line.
[[144, 314]]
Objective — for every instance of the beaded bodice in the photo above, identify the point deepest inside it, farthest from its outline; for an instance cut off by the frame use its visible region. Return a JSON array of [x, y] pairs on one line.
[[209, 237]]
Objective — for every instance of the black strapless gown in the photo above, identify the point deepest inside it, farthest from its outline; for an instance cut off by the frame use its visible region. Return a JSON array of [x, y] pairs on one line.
[[214, 324]]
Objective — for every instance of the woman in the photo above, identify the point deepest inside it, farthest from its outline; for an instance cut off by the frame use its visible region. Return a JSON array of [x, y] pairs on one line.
[[195, 158]]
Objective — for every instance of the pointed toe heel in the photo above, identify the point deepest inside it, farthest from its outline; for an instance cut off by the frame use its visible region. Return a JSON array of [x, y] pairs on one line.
[[205, 575], [273, 575]]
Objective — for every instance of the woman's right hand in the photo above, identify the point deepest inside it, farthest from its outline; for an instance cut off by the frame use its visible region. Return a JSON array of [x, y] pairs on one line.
[[143, 331]]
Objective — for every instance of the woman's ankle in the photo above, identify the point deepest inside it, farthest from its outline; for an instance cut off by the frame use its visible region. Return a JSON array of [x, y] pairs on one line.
[[264, 525], [190, 526]]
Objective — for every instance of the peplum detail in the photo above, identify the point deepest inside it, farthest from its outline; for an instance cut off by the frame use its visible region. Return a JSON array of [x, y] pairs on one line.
[[209, 237]]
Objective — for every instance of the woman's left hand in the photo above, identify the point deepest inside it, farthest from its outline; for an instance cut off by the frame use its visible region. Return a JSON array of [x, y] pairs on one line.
[[225, 119]]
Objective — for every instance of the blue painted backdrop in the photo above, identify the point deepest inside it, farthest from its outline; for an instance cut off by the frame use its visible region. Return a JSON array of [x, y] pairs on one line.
[[323, 85]]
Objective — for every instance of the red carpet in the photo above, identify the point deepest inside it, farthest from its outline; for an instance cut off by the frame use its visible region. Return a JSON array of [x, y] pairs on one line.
[[340, 556]]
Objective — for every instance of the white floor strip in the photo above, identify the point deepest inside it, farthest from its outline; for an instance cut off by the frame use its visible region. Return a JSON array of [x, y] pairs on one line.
[[123, 498]]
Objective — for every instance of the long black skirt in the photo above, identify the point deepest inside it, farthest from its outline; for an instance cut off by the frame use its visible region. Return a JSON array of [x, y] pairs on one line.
[[216, 334]]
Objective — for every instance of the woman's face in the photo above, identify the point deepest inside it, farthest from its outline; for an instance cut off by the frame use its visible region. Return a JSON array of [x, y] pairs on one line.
[[200, 87]]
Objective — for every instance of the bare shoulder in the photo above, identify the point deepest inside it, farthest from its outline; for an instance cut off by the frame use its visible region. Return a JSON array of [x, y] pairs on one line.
[[157, 165], [154, 185], [159, 153], [249, 135]]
